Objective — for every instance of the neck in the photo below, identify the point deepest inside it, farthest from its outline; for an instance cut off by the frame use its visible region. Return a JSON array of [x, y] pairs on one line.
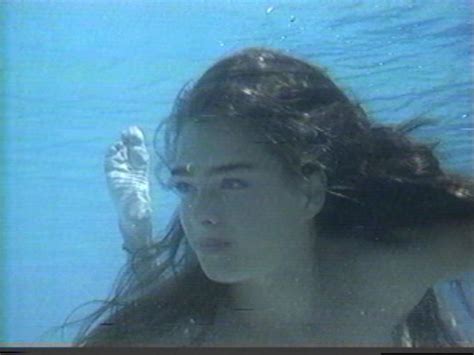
[[287, 296]]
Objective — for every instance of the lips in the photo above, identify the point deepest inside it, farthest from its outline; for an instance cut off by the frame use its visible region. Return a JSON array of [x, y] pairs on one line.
[[212, 245]]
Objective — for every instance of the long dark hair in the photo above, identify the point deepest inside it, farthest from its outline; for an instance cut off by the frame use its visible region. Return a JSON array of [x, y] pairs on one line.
[[379, 178]]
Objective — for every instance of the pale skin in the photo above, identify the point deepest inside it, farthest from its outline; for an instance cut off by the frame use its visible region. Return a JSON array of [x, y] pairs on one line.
[[267, 220], [289, 285]]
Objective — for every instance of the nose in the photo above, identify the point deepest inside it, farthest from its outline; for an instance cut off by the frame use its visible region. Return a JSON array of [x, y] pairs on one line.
[[205, 209], [209, 221]]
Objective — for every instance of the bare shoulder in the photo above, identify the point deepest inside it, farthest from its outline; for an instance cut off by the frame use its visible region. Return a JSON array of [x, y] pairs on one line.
[[448, 247], [385, 281]]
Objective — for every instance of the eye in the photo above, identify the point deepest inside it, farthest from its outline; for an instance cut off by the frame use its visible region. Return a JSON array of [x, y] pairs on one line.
[[181, 188], [234, 183]]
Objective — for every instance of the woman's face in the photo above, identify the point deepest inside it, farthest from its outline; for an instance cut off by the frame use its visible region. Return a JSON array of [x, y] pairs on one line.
[[234, 191]]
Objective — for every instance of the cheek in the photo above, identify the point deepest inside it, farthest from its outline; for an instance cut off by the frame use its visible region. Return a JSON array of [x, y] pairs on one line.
[[253, 210], [267, 221], [257, 213], [276, 206], [184, 217], [268, 211]]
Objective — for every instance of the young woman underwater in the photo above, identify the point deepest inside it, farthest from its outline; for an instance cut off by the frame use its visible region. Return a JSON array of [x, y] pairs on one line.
[[301, 222]]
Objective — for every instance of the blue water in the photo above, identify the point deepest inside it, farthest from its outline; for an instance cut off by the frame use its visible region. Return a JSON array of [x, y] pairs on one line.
[[77, 73]]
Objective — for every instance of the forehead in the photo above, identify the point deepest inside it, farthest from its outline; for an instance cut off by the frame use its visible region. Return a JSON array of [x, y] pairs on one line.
[[211, 142]]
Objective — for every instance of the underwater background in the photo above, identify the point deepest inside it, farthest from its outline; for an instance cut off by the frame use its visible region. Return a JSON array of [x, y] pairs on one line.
[[76, 73]]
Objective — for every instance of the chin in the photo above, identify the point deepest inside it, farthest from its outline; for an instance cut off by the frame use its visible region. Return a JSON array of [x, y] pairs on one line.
[[222, 277], [228, 277]]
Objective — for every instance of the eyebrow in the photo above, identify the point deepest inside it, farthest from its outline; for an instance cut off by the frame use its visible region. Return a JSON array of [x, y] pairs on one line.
[[216, 170]]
